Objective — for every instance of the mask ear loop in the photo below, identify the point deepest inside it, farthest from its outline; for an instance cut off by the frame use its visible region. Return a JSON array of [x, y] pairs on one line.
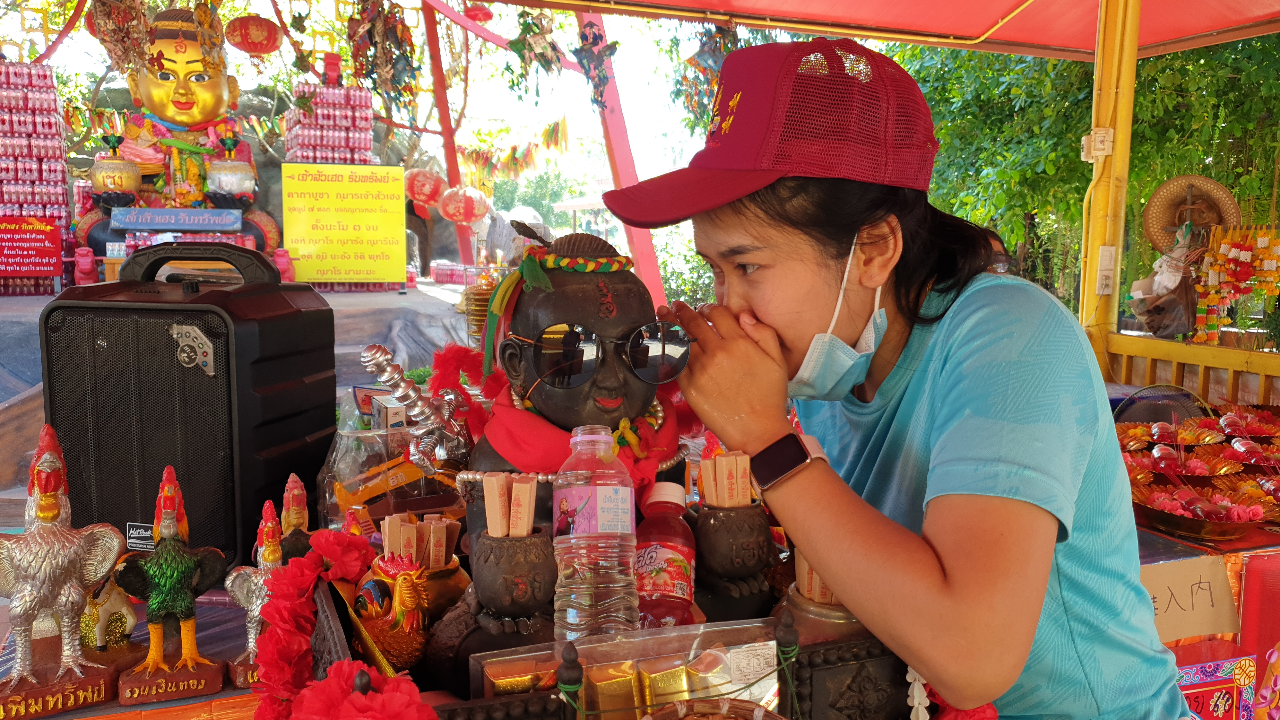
[[844, 283]]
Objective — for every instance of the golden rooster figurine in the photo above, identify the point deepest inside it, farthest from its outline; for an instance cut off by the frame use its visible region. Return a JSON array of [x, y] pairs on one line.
[[392, 606], [248, 585], [170, 578], [49, 566], [295, 540]]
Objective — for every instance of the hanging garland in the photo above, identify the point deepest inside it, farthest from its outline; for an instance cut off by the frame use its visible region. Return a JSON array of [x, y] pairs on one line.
[[592, 55], [515, 161], [1237, 261], [534, 45], [382, 51]]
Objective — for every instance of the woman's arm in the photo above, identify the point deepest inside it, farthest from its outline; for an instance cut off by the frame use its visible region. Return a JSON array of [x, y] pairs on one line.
[[960, 604]]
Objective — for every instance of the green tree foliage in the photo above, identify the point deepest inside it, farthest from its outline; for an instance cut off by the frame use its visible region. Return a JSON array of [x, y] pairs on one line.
[[1010, 130], [685, 275], [539, 192]]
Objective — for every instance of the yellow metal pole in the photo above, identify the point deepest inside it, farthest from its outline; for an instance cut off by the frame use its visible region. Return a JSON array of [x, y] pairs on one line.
[[1114, 69]]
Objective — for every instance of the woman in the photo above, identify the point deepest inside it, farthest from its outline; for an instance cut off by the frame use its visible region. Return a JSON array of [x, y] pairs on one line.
[[974, 513]]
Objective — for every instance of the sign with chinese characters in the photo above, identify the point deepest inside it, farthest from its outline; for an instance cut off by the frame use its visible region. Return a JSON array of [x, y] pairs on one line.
[[1191, 597], [176, 219], [344, 223], [29, 247]]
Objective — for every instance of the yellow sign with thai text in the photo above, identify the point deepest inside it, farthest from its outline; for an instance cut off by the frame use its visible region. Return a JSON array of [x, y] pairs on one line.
[[344, 223]]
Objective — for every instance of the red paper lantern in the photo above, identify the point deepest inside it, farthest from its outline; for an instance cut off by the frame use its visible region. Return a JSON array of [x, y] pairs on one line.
[[463, 205], [255, 35], [424, 188], [89, 24], [478, 13]]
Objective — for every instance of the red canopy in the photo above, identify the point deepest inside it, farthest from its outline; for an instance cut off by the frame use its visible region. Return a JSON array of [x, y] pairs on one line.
[[1048, 28]]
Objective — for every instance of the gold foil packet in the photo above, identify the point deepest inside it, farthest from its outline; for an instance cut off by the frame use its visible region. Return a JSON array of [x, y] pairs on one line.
[[613, 690], [663, 680], [510, 678]]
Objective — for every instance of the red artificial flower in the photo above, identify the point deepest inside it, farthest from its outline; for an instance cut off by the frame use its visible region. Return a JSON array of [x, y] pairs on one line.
[[284, 661], [271, 707], [335, 697], [347, 556]]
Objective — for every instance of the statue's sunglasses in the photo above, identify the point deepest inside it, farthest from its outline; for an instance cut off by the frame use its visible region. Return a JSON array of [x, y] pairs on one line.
[[566, 355]]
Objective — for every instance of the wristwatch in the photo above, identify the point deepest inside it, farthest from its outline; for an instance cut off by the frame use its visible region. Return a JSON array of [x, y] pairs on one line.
[[788, 455]]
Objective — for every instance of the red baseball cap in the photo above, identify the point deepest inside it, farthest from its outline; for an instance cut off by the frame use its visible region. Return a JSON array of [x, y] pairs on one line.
[[824, 108]]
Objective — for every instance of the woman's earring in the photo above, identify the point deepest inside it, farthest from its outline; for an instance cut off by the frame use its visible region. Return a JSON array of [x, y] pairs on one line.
[[517, 396]]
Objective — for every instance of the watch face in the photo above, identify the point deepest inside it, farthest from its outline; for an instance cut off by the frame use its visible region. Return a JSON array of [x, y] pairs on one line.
[[778, 459]]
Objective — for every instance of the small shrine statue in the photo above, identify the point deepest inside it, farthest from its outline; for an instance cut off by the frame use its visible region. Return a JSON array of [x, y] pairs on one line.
[[170, 578], [108, 617], [562, 328], [50, 566], [248, 585], [294, 519]]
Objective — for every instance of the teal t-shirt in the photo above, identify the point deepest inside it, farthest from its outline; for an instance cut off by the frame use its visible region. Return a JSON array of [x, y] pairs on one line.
[[1003, 397]]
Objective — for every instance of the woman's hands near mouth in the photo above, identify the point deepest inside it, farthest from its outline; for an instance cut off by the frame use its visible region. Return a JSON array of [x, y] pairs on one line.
[[736, 379]]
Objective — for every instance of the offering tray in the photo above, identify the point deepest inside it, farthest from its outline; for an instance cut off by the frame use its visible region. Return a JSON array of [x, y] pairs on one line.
[[1253, 428], [1166, 522], [1193, 527], [1143, 460], [1137, 436]]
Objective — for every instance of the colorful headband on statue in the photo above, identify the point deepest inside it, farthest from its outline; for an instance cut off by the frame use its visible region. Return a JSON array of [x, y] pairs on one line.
[[537, 259]]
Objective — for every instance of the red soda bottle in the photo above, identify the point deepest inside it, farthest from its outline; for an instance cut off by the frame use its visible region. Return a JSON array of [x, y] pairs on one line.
[[664, 559]]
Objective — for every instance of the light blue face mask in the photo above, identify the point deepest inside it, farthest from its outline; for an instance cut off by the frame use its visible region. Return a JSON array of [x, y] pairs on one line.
[[831, 368]]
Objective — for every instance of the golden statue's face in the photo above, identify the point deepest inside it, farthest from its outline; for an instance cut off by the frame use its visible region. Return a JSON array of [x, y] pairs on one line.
[[177, 87]]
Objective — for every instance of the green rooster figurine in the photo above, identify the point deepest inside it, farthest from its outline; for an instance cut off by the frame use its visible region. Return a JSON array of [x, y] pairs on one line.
[[170, 578]]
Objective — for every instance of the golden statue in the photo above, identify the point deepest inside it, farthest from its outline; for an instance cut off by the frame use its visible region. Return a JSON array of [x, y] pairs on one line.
[[182, 140], [186, 149]]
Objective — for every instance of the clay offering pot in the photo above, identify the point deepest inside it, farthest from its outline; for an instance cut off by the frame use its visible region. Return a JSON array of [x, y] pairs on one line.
[[819, 623], [734, 542], [514, 577]]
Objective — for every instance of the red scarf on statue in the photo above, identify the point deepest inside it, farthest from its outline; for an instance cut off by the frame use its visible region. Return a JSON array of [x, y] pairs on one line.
[[533, 445]]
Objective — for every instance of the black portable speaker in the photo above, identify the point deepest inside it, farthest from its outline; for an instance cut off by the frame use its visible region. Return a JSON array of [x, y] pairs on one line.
[[231, 384]]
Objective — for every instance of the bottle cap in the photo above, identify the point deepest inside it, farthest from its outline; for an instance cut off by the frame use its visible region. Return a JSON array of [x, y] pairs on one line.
[[666, 492]]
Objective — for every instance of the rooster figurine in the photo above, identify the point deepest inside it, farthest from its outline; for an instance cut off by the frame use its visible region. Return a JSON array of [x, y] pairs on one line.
[[391, 606], [48, 567], [170, 578], [248, 585], [295, 540]]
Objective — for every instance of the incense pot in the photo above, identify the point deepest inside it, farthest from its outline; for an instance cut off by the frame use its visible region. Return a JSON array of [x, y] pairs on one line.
[[734, 547]]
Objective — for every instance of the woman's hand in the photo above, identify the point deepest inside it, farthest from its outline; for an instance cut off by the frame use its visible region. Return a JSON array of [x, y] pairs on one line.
[[736, 380]]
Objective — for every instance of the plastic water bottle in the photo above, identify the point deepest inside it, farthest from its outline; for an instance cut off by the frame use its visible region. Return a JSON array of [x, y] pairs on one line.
[[664, 559], [594, 521]]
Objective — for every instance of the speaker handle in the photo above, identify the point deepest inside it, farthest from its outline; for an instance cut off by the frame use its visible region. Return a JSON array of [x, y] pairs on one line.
[[252, 265]]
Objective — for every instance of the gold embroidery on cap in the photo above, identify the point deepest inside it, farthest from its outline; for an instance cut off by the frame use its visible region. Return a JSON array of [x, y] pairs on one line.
[[813, 64], [855, 65]]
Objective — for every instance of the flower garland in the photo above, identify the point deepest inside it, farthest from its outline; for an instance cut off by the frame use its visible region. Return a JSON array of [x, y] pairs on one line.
[[284, 648], [1237, 261]]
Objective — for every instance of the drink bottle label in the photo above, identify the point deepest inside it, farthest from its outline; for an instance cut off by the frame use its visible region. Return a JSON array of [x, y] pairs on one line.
[[594, 509], [664, 569]]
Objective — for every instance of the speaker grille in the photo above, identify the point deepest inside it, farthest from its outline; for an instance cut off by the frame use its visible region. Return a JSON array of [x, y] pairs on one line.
[[124, 408]]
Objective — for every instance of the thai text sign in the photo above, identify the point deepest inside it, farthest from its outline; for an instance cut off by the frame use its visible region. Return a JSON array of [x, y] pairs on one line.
[[29, 247], [176, 219], [344, 223]]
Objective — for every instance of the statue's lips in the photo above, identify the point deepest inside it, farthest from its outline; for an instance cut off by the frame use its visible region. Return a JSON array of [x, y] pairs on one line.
[[184, 106], [609, 403]]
